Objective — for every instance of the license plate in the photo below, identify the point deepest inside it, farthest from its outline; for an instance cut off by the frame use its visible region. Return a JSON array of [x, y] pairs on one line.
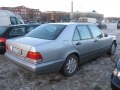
[[16, 51]]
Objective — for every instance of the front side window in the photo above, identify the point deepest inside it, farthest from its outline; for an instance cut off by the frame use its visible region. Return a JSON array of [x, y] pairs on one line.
[[18, 31], [95, 31], [18, 21], [13, 20], [84, 32], [47, 31]]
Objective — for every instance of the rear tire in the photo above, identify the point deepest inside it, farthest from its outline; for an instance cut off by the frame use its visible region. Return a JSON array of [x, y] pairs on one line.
[[112, 49], [70, 66]]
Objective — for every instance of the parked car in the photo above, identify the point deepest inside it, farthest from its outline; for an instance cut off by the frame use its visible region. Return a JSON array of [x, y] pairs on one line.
[[59, 47], [118, 24], [101, 25], [7, 32], [9, 18], [115, 78]]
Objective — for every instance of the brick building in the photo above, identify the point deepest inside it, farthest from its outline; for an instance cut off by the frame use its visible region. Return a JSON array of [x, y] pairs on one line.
[[55, 16], [27, 14], [34, 15]]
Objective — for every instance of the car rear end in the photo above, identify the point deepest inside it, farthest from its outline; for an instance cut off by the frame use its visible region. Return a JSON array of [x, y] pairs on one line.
[[27, 55], [3, 30], [23, 55]]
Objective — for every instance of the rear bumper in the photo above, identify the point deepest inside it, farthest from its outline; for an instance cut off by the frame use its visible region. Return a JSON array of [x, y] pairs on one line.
[[41, 68]]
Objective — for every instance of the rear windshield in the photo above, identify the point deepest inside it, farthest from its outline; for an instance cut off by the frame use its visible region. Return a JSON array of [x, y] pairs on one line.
[[46, 31], [2, 30]]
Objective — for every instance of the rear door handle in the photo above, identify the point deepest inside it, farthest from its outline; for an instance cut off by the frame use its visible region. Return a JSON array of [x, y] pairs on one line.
[[78, 43]]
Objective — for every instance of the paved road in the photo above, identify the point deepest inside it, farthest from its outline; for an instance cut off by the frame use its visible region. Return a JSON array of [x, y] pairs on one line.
[[111, 26]]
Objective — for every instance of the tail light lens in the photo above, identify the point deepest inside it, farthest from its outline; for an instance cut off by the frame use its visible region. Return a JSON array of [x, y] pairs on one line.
[[7, 48], [34, 55], [2, 39]]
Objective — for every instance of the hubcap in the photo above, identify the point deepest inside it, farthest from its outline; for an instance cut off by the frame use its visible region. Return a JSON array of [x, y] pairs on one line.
[[71, 65], [113, 49]]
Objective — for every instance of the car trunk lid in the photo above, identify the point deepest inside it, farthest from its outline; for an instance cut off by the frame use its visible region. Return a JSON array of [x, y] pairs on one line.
[[30, 41], [21, 46]]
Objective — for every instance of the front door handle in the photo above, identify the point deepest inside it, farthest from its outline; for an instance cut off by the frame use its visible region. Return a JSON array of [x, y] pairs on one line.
[[78, 43]]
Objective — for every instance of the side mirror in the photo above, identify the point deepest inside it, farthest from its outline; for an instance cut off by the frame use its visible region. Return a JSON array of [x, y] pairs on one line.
[[106, 35]]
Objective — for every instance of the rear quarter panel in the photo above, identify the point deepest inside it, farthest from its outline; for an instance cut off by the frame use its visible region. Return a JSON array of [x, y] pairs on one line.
[[55, 50]]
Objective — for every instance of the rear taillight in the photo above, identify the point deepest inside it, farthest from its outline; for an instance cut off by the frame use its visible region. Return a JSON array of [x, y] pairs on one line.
[[34, 55], [2, 39], [7, 48]]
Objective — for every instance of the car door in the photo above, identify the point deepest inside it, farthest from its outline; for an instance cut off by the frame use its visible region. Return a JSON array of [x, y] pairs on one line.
[[102, 43], [84, 42]]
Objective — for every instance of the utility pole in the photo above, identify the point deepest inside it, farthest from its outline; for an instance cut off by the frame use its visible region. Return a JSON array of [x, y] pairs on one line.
[[71, 10]]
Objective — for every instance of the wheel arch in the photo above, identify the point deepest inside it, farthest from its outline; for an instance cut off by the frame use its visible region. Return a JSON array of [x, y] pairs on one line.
[[75, 53], [63, 70]]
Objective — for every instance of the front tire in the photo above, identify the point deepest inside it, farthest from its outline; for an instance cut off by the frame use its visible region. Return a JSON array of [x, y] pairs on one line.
[[70, 66], [112, 49]]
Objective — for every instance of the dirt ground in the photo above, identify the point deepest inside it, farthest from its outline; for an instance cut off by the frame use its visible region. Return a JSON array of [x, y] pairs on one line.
[[94, 75]]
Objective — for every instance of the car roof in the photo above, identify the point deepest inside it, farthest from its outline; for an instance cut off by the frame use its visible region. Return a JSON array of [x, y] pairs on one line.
[[59, 23], [72, 23]]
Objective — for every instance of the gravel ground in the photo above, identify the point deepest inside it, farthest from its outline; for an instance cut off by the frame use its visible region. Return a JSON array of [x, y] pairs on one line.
[[94, 75]]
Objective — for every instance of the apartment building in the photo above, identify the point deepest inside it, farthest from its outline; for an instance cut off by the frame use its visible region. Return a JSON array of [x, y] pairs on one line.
[[27, 14]]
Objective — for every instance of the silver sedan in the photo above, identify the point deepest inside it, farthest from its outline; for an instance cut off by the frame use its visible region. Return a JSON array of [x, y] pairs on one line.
[[59, 47]]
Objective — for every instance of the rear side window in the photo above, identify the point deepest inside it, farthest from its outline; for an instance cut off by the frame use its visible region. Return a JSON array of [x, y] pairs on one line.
[[2, 30], [30, 28], [19, 31], [95, 31], [84, 32], [47, 31], [76, 36]]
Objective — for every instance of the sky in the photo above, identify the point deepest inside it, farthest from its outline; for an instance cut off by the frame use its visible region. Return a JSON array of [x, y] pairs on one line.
[[110, 8]]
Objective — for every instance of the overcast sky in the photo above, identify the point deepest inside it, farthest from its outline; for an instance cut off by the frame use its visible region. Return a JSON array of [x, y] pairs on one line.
[[106, 7]]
